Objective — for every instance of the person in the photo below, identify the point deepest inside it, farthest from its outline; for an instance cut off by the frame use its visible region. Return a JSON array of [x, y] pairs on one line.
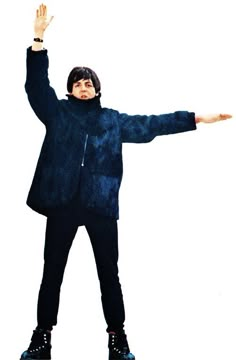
[[77, 180]]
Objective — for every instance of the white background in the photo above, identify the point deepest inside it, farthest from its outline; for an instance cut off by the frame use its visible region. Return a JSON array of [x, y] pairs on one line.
[[177, 199]]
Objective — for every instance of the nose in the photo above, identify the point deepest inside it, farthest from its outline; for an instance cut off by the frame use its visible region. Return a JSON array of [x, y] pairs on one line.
[[83, 87]]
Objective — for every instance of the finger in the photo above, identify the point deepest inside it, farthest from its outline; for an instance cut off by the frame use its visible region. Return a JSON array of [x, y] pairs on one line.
[[43, 10], [225, 116], [40, 10]]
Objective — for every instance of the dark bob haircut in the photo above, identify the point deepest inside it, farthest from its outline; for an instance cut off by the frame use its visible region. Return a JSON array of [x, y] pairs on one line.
[[82, 72]]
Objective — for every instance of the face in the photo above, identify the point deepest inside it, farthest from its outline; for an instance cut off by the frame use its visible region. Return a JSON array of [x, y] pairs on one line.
[[84, 89]]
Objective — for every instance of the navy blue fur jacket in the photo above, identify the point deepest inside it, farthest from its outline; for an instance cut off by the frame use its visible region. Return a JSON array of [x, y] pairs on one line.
[[81, 131]]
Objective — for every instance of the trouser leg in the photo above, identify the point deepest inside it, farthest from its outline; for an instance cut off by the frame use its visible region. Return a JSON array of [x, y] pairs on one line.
[[104, 239], [60, 232]]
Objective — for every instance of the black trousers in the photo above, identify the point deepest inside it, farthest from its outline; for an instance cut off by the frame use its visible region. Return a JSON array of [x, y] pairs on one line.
[[60, 232]]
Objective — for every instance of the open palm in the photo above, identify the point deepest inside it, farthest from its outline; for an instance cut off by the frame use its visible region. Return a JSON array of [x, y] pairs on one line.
[[41, 20]]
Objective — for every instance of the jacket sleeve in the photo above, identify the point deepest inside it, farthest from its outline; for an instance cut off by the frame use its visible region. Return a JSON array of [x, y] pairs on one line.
[[41, 95], [144, 128]]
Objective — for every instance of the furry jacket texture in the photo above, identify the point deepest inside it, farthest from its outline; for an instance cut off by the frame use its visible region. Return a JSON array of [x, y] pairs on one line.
[[82, 133]]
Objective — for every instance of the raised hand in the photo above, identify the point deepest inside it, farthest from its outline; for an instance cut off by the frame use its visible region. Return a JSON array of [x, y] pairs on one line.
[[211, 118], [41, 20]]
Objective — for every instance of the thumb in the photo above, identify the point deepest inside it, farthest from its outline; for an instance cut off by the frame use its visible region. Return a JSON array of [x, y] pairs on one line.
[[50, 20]]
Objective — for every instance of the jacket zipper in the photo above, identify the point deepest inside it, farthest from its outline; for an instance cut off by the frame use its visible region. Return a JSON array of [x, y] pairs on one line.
[[85, 146]]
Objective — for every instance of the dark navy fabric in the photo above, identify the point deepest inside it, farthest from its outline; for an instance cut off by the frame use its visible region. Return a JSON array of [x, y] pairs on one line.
[[81, 131]]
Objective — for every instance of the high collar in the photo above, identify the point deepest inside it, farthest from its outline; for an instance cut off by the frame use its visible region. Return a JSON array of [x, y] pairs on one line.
[[87, 113], [85, 106]]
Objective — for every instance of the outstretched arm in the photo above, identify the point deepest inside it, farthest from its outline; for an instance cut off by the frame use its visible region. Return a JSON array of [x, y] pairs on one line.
[[144, 128], [140, 129]]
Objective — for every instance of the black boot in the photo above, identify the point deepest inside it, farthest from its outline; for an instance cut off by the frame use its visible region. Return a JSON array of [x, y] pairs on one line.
[[118, 347], [40, 346]]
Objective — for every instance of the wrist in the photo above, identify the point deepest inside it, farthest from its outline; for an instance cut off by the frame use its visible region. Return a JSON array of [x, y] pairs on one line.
[[197, 119], [39, 34], [37, 42]]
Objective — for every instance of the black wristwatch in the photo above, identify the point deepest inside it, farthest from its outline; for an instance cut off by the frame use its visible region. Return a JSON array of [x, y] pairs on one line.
[[38, 40]]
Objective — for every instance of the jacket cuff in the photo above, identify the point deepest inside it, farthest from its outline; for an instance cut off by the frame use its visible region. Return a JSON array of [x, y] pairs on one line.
[[39, 52], [192, 120]]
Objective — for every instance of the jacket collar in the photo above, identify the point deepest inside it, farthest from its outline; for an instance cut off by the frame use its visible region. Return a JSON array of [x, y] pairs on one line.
[[88, 113], [83, 107]]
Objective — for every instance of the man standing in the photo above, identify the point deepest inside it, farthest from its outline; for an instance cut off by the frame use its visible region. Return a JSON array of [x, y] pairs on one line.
[[77, 180]]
